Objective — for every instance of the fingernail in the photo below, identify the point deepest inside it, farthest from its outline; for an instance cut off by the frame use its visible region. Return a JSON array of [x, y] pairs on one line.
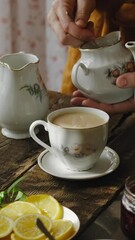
[[122, 82], [84, 103], [81, 23]]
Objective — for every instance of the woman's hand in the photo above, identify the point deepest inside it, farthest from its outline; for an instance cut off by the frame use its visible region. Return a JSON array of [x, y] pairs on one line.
[[124, 81], [69, 20]]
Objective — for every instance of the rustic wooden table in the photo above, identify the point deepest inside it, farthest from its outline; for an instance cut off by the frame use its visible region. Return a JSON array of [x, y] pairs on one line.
[[86, 198]]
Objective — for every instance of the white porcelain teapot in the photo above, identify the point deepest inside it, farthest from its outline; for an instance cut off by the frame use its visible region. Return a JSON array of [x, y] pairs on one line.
[[23, 96], [96, 71]]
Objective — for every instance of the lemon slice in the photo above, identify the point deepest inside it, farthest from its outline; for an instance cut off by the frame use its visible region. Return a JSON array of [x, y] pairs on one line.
[[47, 204], [6, 226], [18, 208], [14, 237], [25, 227], [62, 229]]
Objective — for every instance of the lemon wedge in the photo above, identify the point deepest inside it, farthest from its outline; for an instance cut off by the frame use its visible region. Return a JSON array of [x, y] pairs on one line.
[[63, 229], [6, 226], [25, 226], [47, 204], [18, 208]]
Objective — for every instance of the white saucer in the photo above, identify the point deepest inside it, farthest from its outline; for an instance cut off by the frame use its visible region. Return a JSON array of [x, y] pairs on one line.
[[68, 214], [108, 162]]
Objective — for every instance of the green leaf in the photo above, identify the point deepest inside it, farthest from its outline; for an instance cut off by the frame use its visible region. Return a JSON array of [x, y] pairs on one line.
[[13, 193]]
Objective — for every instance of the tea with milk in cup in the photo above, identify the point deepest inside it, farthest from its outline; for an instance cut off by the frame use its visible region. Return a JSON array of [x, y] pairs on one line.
[[78, 119]]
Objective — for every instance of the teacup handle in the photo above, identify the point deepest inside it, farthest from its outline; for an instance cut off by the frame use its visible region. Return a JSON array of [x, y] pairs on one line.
[[74, 74], [34, 136]]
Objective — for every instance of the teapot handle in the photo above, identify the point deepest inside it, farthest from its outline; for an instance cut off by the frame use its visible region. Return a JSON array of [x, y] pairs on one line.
[[74, 74]]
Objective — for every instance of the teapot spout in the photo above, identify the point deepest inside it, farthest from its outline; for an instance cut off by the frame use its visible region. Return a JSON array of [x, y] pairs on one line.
[[131, 46]]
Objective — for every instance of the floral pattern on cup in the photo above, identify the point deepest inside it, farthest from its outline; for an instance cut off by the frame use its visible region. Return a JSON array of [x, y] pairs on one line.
[[116, 71], [79, 150]]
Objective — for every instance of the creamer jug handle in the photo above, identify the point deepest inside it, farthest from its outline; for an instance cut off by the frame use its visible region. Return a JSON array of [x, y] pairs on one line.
[[74, 74]]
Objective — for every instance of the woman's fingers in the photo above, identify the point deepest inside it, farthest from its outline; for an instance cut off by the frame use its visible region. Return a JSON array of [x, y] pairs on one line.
[[62, 19], [126, 80], [126, 106], [77, 93], [83, 11]]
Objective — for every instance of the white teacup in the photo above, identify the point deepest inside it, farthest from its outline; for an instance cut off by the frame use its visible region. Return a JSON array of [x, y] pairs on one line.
[[77, 135]]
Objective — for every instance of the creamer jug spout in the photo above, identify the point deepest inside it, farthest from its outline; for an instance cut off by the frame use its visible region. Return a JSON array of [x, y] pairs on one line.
[[18, 61], [131, 46]]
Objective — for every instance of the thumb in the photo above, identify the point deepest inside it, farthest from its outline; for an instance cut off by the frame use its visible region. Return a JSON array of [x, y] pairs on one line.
[[83, 11], [126, 80]]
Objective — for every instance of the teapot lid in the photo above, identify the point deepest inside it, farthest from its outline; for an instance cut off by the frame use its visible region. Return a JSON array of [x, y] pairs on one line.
[[108, 40]]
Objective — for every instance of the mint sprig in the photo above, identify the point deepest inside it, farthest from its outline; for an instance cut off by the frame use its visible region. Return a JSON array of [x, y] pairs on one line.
[[11, 194]]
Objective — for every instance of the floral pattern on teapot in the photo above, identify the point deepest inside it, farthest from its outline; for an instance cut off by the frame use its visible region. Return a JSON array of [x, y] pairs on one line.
[[116, 71]]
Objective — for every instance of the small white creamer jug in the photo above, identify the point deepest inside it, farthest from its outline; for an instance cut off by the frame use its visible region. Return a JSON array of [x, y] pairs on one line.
[[23, 95]]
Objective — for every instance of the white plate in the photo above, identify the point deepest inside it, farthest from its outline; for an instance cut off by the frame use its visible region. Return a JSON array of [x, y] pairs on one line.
[[108, 162], [68, 214]]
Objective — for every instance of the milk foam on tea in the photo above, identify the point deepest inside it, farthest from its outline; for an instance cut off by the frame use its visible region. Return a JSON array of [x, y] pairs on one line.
[[78, 119]]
